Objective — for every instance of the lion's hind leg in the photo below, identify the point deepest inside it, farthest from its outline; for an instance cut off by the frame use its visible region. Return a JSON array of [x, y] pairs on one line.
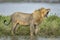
[[13, 28]]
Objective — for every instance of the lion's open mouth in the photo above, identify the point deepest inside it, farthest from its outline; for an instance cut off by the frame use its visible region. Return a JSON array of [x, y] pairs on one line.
[[46, 14]]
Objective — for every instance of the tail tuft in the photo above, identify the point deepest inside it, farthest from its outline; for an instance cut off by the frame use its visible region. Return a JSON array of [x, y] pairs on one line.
[[5, 22]]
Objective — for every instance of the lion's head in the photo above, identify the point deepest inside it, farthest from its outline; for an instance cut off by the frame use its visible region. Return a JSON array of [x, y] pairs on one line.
[[39, 14], [43, 12]]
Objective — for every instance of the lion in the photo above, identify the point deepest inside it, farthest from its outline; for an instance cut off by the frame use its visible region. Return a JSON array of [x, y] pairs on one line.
[[33, 19]]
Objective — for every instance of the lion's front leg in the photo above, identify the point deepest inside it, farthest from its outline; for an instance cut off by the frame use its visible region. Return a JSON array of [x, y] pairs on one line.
[[32, 31], [36, 29]]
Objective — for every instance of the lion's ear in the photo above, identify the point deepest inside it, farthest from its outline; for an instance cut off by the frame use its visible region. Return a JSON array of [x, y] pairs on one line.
[[48, 9]]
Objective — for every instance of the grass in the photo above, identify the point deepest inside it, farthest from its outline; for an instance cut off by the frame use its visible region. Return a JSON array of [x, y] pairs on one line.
[[50, 27]]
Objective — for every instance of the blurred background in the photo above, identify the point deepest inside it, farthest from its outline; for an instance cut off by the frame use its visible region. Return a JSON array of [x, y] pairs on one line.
[[50, 1], [7, 7], [50, 27]]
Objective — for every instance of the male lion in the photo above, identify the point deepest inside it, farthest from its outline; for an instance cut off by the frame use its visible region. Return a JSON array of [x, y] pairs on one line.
[[28, 19]]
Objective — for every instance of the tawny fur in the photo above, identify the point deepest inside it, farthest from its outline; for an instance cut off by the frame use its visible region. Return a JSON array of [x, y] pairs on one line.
[[26, 19]]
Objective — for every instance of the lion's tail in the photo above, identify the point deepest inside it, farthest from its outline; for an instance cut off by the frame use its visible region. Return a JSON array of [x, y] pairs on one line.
[[5, 22]]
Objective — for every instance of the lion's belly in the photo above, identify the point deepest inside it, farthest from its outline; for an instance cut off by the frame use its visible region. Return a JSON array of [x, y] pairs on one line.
[[23, 22]]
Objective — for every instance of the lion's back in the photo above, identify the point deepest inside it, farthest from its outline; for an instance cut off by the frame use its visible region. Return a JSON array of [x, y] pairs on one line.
[[20, 17]]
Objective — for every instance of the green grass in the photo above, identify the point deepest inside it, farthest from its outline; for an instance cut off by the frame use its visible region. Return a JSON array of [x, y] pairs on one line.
[[49, 27]]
